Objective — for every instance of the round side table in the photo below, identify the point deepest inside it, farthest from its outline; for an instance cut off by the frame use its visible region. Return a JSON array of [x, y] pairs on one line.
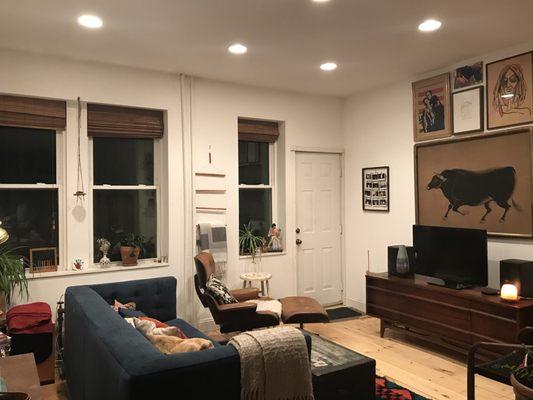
[[262, 277]]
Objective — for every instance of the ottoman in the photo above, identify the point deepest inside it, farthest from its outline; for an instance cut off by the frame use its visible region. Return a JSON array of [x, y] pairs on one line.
[[302, 310]]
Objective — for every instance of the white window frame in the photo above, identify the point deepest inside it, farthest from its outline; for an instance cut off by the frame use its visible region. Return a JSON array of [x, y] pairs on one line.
[[61, 213], [157, 143], [272, 177]]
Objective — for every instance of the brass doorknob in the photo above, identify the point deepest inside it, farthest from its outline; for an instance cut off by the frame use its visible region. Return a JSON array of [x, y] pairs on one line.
[[298, 242]]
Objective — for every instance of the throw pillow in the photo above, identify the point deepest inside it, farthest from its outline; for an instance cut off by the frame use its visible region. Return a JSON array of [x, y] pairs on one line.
[[118, 305], [219, 291]]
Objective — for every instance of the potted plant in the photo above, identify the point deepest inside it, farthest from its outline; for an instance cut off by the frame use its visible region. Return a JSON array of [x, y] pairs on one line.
[[130, 249], [250, 243], [12, 276], [522, 378]]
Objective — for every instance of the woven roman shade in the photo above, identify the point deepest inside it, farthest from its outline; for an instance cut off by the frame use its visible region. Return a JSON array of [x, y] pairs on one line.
[[258, 131], [31, 112], [123, 122]]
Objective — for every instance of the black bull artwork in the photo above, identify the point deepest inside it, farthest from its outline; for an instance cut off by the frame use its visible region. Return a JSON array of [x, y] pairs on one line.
[[470, 188]]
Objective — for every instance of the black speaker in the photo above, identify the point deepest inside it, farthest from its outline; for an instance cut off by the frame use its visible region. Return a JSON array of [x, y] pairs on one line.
[[392, 253], [519, 273]]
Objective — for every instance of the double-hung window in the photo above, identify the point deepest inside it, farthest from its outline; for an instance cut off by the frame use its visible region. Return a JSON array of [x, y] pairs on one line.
[[29, 188], [125, 175], [257, 173]]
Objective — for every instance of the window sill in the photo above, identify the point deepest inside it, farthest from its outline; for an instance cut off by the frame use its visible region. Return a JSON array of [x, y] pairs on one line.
[[272, 254], [95, 269]]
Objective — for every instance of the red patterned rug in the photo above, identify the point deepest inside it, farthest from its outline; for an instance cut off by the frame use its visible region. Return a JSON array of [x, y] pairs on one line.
[[387, 390]]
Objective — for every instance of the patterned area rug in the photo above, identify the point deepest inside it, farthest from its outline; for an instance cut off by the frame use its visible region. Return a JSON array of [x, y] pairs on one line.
[[387, 390]]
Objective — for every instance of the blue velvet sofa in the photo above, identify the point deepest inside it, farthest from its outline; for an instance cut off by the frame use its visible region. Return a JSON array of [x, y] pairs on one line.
[[106, 359]]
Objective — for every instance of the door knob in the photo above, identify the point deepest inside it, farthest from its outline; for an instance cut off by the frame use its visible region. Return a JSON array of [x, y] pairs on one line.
[[298, 242], [297, 230]]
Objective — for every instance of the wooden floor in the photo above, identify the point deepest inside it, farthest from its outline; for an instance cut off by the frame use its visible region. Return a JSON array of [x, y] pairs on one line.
[[416, 366], [413, 365]]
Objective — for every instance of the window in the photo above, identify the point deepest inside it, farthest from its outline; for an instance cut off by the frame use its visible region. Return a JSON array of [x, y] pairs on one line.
[[125, 193], [29, 189], [256, 173]]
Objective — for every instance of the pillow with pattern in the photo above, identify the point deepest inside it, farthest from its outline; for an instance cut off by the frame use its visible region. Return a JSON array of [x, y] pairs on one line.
[[219, 291]]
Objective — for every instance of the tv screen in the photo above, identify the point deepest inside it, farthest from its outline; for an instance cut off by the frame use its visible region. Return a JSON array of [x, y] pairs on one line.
[[451, 254]]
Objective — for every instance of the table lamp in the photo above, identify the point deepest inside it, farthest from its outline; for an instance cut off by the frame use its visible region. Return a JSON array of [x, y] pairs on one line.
[[4, 236], [509, 292]]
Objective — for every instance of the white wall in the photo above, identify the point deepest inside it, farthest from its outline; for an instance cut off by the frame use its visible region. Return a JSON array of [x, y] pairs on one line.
[[309, 121], [378, 130]]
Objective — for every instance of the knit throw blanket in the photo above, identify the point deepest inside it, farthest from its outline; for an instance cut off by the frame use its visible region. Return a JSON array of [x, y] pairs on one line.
[[274, 365]]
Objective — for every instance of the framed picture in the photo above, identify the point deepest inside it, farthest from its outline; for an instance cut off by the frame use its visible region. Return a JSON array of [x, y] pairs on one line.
[[468, 75], [468, 110], [431, 108], [509, 91], [376, 189], [43, 259], [482, 182]]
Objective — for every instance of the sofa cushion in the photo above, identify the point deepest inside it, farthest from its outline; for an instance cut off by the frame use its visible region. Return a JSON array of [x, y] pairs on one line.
[[128, 313], [189, 330]]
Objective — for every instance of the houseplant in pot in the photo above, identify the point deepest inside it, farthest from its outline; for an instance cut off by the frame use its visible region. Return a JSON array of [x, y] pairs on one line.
[[250, 243], [522, 377], [130, 249], [12, 277]]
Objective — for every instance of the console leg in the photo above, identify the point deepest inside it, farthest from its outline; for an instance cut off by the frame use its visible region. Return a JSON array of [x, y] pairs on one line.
[[382, 327]]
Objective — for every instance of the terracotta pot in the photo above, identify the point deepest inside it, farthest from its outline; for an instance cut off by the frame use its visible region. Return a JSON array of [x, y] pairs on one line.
[[129, 260], [522, 392]]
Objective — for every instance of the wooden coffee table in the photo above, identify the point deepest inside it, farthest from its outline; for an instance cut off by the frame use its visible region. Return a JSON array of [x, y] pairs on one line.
[[340, 373], [20, 373]]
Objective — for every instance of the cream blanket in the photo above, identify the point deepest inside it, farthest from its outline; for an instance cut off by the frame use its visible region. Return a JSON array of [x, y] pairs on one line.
[[273, 306], [274, 365]]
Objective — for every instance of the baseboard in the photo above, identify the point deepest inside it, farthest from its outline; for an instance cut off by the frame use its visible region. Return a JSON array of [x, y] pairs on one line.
[[355, 304]]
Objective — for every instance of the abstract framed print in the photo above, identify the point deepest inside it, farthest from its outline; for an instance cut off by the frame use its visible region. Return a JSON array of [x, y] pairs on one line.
[[432, 108], [376, 189], [468, 75], [468, 110], [510, 91]]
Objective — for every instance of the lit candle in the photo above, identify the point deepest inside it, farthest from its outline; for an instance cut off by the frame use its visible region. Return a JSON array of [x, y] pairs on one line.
[[509, 292]]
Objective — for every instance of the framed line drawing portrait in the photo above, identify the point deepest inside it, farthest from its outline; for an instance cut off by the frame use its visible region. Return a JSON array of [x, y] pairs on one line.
[[432, 108], [510, 91], [480, 182], [376, 189], [468, 110]]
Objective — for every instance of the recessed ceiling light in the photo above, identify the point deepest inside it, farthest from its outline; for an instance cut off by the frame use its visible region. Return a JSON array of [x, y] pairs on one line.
[[328, 66], [237, 48], [90, 21], [429, 25], [320, 1]]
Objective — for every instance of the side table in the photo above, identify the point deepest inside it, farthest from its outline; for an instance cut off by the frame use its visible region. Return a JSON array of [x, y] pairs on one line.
[[20, 373], [262, 277]]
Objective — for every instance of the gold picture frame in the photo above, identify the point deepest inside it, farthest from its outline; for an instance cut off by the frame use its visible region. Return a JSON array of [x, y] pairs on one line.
[[432, 108]]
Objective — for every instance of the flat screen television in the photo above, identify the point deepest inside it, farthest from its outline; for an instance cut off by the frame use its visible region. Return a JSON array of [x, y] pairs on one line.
[[452, 257]]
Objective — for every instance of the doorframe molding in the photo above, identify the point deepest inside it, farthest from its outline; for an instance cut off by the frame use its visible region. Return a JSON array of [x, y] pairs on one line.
[[340, 153]]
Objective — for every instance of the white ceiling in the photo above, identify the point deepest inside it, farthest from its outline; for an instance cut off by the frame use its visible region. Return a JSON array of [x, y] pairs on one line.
[[373, 41]]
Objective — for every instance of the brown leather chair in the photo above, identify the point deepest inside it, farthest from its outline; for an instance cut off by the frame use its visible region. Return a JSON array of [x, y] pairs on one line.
[[236, 317]]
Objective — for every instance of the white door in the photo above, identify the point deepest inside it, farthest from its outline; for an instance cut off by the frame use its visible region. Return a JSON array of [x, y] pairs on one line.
[[318, 223]]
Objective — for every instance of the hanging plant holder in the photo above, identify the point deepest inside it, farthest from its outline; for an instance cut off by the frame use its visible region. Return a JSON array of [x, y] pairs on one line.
[[80, 192]]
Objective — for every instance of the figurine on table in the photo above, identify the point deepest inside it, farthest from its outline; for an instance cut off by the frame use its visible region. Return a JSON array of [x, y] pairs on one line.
[[274, 235]]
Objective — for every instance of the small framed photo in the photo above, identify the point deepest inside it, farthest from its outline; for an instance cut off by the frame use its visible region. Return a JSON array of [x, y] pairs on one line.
[[468, 110], [509, 91], [432, 108], [375, 189], [468, 75]]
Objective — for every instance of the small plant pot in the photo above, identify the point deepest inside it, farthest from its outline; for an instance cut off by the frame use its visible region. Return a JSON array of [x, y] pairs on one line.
[[521, 391], [129, 255]]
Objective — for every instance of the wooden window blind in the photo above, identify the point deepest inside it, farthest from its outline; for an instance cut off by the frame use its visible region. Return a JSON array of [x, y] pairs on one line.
[[124, 122], [258, 131], [31, 112]]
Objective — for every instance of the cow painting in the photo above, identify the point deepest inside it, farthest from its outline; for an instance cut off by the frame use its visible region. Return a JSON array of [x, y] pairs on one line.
[[470, 188]]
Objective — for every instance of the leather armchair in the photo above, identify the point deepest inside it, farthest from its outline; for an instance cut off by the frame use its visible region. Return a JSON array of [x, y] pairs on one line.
[[240, 316]]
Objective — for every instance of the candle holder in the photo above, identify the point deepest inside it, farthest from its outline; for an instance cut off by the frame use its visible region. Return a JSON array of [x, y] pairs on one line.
[[509, 293]]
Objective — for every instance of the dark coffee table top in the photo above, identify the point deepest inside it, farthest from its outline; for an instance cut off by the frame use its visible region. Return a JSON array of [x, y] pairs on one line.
[[327, 356]]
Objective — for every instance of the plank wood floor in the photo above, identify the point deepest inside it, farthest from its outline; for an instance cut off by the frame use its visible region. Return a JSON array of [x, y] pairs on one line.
[[428, 372], [413, 365]]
